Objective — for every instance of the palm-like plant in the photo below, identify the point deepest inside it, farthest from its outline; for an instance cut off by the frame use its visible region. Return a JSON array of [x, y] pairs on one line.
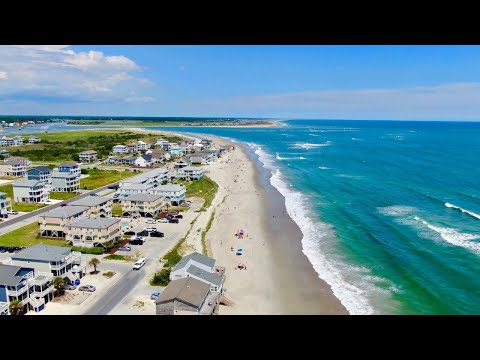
[[58, 284], [15, 307], [94, 262]]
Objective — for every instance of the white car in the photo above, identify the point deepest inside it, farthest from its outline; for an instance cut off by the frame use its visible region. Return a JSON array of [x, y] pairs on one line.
[[150, 229], [139, 264], [12, 212], [150, 221], [164, 220]]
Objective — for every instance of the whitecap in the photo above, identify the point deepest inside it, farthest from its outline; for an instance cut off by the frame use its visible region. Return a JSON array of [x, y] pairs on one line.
[[471, 213]]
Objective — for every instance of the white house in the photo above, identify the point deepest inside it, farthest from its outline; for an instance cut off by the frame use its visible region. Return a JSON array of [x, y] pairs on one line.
[[129, 188], [30, 191], [190, 173], [88, 156], [120, 149], [142, 145], [199, 267], [152, 177], [33, 139], [171, 192], [144, 161], [66, 178]]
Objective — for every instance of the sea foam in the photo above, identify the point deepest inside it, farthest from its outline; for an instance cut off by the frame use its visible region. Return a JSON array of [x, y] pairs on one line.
[[278, 157], [349, 284], [310, 145], [472, 214]]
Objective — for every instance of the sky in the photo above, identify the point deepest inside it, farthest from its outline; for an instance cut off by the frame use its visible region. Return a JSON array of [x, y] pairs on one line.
[[317, 82]]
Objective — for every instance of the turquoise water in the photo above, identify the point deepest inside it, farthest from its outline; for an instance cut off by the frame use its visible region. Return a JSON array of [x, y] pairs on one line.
[[380, 206], [370, 198]]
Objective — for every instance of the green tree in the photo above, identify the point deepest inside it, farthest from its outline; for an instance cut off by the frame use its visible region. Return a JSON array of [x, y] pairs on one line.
[[161, 278], [94, 262], [58, 284], [15, 307]]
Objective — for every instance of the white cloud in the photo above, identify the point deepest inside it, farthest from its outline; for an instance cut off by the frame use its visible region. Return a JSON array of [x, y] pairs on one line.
[[39, 72], [444, 101], [139, 99]]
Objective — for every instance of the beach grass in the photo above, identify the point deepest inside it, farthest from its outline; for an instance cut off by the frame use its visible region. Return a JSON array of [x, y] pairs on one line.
[[26, 236], [205, 188], [98, 178], [117, 209], [204, 233], [62, 195], [118, 257], [24, 207]]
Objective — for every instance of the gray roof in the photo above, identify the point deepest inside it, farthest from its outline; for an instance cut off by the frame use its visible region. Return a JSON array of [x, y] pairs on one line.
[[191, 168], [195, 256], [41, 252], [8, 275], [140, 178], [143, 197], [64, 212], [15, 160], [130, 158], [41, 168], [59, 174], [97, 223], [187, 290], [212, 278], [130, 186], [27, 183], [90, 201], [88, 152], [169, 187], [147, 157], [67, 164]]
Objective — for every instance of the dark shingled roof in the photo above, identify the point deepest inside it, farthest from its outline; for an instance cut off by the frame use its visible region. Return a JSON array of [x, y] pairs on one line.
[[188, 290], [8, 275], [41, 252]]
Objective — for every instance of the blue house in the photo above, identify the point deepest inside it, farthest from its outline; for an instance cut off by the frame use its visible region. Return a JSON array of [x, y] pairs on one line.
[[40, 173], [175, 150], [23, 284]]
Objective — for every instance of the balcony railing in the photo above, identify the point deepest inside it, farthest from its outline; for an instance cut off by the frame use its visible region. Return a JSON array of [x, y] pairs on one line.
[[17, 292], [41, 294], [41, 278]]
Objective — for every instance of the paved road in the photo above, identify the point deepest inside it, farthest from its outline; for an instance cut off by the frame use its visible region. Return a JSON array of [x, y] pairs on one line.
[[32, 216], [116, 293]]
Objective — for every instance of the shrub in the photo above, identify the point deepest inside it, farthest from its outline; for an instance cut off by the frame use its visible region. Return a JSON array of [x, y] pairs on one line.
[[108, 274], [161, 278], [84, 171], [85, 250]]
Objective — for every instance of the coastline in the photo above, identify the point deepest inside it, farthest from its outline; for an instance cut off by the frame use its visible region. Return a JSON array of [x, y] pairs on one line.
[[269, 125], [279, 278]]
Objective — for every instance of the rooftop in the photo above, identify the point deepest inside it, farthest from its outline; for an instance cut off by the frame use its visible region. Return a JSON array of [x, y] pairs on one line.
[[41, 252], [170, 187], [88, 152], [8, 275], [15, 161], [130, 186], [195, 256], [192, 168], [97, 223], [41, 168], [27, 183], [67, 164], [187, 290], [146, 176], [90, 201], [59, 174], [212, 278], [143, 197], [64, 212]]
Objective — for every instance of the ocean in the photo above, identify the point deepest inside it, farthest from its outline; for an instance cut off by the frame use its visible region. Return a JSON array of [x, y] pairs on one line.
[[389, 210]]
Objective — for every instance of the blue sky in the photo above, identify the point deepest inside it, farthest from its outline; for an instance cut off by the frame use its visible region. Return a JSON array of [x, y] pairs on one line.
[[325, 82]]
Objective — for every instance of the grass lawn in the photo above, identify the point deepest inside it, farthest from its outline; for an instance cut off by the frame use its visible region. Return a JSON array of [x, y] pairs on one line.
[[100, 178], [62, 195], [9, 177], [26, 236], [204, 188], [26, 207], [66, 136], [117, 209]]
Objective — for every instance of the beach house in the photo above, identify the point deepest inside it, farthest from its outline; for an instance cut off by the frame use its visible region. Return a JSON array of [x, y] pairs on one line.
[[4, 154], [132, 188], [175, 150], [190, 173], [129, 160], [143, 146], [54, 222], [88, 156], [66, 178], [5, 203], [98, 206], [145, 205], [33, 139], [40, 173], [120, 149], [174, 193], [153, 177], [144, 161], [53, 260], [202, 268], [206, 142], [132, 148], [163, 144], [14, 166], [199, 158], [31, 288], [157, 155], [113, 160], [88, 232], [187, 296], [30, 191]]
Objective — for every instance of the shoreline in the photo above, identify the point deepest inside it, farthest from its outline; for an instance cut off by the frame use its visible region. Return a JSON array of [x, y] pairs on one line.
[[271, 124]]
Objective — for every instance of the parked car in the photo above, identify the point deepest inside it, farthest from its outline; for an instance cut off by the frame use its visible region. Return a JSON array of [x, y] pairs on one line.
[[64, 205], [154, 296], [173, 221], [179, 216], [164, 220], [114, 187], [12, 212], [88, 288], [69, 287], [136, 241], [151, 221], [150, 229], [3, 249], [125, 248], [157, 234], [143, 233], [93, 194], [139, 264], [173, 213], [129, 233]]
